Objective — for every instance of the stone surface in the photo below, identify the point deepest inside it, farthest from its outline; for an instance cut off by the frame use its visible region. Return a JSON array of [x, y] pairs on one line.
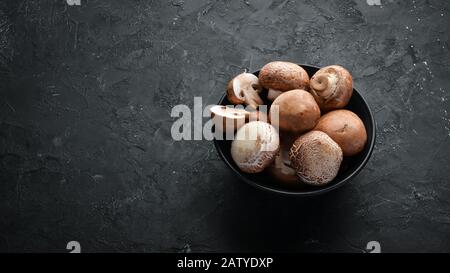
[[86, 152]]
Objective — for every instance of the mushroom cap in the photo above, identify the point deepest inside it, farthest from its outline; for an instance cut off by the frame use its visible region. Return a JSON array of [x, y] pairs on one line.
[[316, 158], [255, 146], [244, 88], [283, 76], [332, 87], [298, 111], [346, 129], [281, 168]]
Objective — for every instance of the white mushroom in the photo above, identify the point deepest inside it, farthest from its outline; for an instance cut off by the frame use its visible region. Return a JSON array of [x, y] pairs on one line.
[[316, 158], [255, 146], [245, 89]]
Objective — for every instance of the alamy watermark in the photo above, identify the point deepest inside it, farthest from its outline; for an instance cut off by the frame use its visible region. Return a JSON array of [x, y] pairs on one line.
[[373, 247], [73, 2], [74, 247], [222, 125]]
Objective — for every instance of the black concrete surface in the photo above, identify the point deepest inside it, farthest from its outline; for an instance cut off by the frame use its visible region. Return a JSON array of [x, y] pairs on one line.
[[86, 152]]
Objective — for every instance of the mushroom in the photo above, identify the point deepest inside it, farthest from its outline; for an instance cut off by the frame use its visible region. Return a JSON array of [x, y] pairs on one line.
[[281, 168], [255, 146], [245, 88], [272, 94], [346, 129], [316, 158], [332, 87], [279, 77], [227, 119], [298, 112], [257, 115]]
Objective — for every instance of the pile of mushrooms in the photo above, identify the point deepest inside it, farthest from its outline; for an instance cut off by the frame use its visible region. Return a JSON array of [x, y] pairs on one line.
[[311, 134]]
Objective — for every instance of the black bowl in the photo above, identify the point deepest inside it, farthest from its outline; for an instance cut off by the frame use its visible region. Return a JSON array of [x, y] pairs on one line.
[[350, 166]]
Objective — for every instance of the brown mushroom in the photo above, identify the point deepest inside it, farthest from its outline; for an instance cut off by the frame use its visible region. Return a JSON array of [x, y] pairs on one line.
[[245, 89], [298, 112], [281, 168], [332, 87], [346, 129], [316, 158], [255, 146], [280, 76], [272, 94]]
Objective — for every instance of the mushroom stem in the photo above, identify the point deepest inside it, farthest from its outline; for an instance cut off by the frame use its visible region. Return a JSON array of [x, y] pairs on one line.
[[273, 94], [319, 83], [252, 98]]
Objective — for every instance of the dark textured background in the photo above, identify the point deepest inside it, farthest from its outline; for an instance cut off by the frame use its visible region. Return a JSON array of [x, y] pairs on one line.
[[86, 152]]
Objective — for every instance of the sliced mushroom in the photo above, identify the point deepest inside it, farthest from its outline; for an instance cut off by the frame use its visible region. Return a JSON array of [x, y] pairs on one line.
[[255, 146], [245, 89], [280, 77], [332, 87], [316, 158], [298, 112], [346, 129], [227, 119]]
